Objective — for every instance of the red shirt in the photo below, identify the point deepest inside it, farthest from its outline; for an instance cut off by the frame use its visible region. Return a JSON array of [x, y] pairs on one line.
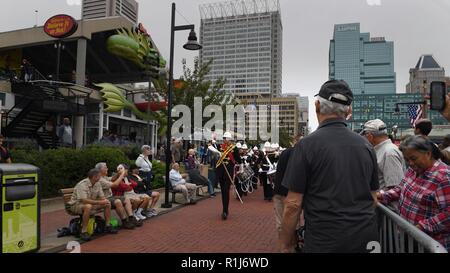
[[424, 200], [123, 187]]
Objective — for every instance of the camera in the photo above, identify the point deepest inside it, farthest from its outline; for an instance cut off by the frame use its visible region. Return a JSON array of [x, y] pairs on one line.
[[438, 92]]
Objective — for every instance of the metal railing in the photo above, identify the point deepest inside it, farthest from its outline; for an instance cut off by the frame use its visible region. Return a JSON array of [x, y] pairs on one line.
[[399, 236]]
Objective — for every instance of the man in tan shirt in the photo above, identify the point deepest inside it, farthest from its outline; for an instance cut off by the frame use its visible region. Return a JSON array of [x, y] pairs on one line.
[[88, 197]]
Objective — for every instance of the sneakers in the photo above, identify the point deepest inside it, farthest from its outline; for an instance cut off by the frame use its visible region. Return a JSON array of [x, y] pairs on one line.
[[127, 224], [191, 202], [151, 213], [110, 230], [85, 237], [139, 216], [137, 223], [212, 195]]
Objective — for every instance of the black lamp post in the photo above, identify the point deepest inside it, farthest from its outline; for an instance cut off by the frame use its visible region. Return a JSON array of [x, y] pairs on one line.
[[58, 45], [191, 44]]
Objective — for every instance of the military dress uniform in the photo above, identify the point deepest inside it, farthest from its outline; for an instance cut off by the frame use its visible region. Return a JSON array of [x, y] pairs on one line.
[[266, 183], [231, 159]]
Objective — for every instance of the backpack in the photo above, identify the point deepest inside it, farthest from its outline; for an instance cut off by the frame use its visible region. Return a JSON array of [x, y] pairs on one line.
[[100, 225], [75, 226]]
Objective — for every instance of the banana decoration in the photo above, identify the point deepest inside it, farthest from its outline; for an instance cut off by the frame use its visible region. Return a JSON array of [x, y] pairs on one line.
[[116, 101]]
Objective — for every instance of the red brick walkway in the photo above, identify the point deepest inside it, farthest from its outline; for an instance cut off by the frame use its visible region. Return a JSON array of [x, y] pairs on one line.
[[250, 228]]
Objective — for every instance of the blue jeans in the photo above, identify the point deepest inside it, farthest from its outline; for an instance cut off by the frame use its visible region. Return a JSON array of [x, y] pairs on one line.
[[210, 188]]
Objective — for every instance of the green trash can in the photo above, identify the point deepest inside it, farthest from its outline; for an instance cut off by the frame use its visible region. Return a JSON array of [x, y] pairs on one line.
[[20, 214]]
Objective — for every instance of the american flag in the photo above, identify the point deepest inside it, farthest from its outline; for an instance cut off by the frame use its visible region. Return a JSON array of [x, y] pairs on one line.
[[415, 113]]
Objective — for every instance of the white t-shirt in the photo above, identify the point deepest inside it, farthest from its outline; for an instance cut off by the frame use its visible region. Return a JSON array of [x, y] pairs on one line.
[[144, 163]]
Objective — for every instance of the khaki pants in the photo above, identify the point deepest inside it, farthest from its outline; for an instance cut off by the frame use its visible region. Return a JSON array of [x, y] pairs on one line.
[[188, 190]]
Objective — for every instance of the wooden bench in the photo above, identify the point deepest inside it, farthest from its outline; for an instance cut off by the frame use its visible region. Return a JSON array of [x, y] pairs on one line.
[[67, 195]]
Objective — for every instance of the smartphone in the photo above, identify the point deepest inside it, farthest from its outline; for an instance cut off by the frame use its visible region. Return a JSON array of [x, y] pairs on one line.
[[438, 91]]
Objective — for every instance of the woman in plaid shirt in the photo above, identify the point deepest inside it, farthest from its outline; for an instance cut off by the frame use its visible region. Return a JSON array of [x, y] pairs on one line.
[[424, 193]]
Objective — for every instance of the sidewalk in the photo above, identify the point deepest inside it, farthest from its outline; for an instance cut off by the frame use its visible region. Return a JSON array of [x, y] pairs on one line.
[[53, 216], [250, 228]]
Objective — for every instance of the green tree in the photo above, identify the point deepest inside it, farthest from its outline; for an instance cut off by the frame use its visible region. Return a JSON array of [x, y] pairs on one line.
[[194, 85]]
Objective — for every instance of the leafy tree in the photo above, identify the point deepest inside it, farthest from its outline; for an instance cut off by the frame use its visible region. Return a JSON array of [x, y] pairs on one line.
[[193, 84]]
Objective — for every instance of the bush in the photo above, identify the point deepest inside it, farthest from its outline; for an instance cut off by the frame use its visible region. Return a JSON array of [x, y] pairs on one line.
[[159, 170], [63, 168]]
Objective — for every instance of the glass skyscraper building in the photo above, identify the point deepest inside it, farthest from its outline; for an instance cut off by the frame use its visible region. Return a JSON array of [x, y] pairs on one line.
[[365, 63], [244, 41]]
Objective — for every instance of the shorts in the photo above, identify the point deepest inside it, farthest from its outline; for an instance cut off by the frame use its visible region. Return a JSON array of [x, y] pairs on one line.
[[112, 200], [134, 196], [77, 208]]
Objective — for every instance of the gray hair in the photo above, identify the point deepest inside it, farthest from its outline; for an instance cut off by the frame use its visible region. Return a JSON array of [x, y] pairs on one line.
[[328, 107], [418, 143], [379, 133], [145, 147], [100, 165]]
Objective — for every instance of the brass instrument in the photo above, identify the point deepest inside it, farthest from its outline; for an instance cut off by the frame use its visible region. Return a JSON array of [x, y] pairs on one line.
[[225, 154]]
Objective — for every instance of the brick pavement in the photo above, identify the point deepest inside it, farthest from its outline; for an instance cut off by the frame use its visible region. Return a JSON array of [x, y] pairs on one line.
[[198, 228]]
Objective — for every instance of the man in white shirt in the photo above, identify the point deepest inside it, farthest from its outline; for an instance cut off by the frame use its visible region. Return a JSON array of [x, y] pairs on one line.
[[179, 184]]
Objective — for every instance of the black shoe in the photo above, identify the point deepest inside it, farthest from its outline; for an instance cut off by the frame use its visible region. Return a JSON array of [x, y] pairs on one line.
[[128, 224], [136, 222], [192, 202], [110, 230], [224, 216], [85, 237]]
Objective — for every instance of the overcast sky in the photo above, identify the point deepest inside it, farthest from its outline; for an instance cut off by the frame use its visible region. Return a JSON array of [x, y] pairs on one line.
[[415, 26]]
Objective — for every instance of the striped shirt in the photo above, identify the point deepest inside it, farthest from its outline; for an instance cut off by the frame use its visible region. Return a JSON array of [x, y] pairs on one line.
[[425, 201]]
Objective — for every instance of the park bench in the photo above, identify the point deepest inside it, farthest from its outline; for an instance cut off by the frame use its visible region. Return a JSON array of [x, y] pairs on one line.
[[174, 192]]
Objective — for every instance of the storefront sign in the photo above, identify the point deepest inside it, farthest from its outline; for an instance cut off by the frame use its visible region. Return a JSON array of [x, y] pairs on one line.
[[60, 26]]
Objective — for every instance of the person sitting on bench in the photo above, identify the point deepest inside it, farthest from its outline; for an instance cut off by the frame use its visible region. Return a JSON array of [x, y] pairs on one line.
[[179, 184], [88, 197]]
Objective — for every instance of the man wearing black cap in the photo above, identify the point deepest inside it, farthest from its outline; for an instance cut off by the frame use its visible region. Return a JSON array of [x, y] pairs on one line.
[[332, 175]]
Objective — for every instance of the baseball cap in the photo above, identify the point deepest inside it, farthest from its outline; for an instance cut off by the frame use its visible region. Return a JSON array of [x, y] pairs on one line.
[[375, 125], [336, 87]]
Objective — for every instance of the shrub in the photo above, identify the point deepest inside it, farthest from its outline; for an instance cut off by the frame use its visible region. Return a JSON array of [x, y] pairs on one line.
[[63, 168], [159, 170]]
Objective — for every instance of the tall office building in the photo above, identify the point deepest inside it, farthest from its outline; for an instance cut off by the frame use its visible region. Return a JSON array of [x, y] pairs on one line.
[[426, 71], [365, 63], [244, 41], [94, 9]]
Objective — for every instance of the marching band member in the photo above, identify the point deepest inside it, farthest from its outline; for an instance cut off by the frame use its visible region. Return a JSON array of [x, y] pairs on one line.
[[265, 167], [255, 163], [225, 170]]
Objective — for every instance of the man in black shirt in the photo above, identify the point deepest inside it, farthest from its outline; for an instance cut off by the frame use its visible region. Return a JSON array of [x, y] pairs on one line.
[[333, 176], [279, 191]]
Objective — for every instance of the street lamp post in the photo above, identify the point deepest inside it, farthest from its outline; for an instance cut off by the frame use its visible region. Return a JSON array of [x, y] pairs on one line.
[[59, 45], [192, 44]]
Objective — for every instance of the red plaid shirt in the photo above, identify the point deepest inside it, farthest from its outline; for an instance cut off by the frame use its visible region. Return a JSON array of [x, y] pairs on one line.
[[425, 201]]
